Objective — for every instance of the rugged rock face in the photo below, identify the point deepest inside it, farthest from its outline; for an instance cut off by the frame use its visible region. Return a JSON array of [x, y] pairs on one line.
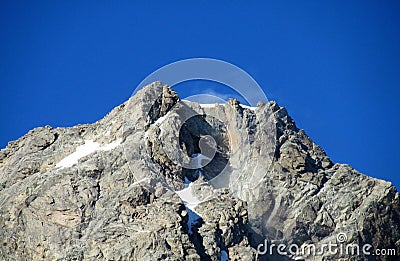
[[246, 176]]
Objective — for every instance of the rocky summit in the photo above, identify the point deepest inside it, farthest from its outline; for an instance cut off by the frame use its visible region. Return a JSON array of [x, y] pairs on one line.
[[160, 178]]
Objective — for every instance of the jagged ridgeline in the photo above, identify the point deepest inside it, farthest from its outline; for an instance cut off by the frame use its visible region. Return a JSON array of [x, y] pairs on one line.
[[163, 179]]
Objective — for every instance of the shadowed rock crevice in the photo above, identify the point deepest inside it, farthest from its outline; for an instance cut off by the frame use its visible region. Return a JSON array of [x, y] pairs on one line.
[[190, 134]]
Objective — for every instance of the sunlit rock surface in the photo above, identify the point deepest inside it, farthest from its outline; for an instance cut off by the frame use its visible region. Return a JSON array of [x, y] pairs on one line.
[[123, 188]]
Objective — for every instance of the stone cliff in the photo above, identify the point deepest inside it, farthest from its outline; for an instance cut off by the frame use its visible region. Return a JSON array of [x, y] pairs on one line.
[[163, 179]]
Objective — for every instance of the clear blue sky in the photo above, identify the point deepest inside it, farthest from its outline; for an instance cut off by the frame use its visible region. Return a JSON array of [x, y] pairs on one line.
[[335, 66]]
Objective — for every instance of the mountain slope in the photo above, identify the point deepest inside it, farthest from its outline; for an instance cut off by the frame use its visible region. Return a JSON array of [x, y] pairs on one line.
[[163, 179]]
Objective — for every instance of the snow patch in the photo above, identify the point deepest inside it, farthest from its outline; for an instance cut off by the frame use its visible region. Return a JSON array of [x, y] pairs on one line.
[[161, 119], [158, 122], [190, 201], [111, 145], [209, 105], [248, 107], [81, 151]]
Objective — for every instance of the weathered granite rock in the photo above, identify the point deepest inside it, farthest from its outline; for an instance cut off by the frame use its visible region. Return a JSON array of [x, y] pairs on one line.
[[115, 200]]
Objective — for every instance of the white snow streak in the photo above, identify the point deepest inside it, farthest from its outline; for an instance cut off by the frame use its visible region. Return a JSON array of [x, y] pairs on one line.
[[111, 145], [209, 105], [161, 119], [248, 107], [190, 201], [81, 151]]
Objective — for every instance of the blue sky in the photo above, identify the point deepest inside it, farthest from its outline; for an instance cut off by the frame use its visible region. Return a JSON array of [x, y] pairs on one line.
[[334, 65]]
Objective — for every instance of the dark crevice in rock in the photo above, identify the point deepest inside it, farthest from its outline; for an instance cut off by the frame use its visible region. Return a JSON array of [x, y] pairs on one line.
[[48, 144], [189, 136]]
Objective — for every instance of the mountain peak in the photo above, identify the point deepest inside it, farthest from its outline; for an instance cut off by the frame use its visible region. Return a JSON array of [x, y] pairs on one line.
[[164, 178]]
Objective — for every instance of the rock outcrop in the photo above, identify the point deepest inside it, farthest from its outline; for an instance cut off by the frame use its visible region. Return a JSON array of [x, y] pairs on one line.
[[108, 190]]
